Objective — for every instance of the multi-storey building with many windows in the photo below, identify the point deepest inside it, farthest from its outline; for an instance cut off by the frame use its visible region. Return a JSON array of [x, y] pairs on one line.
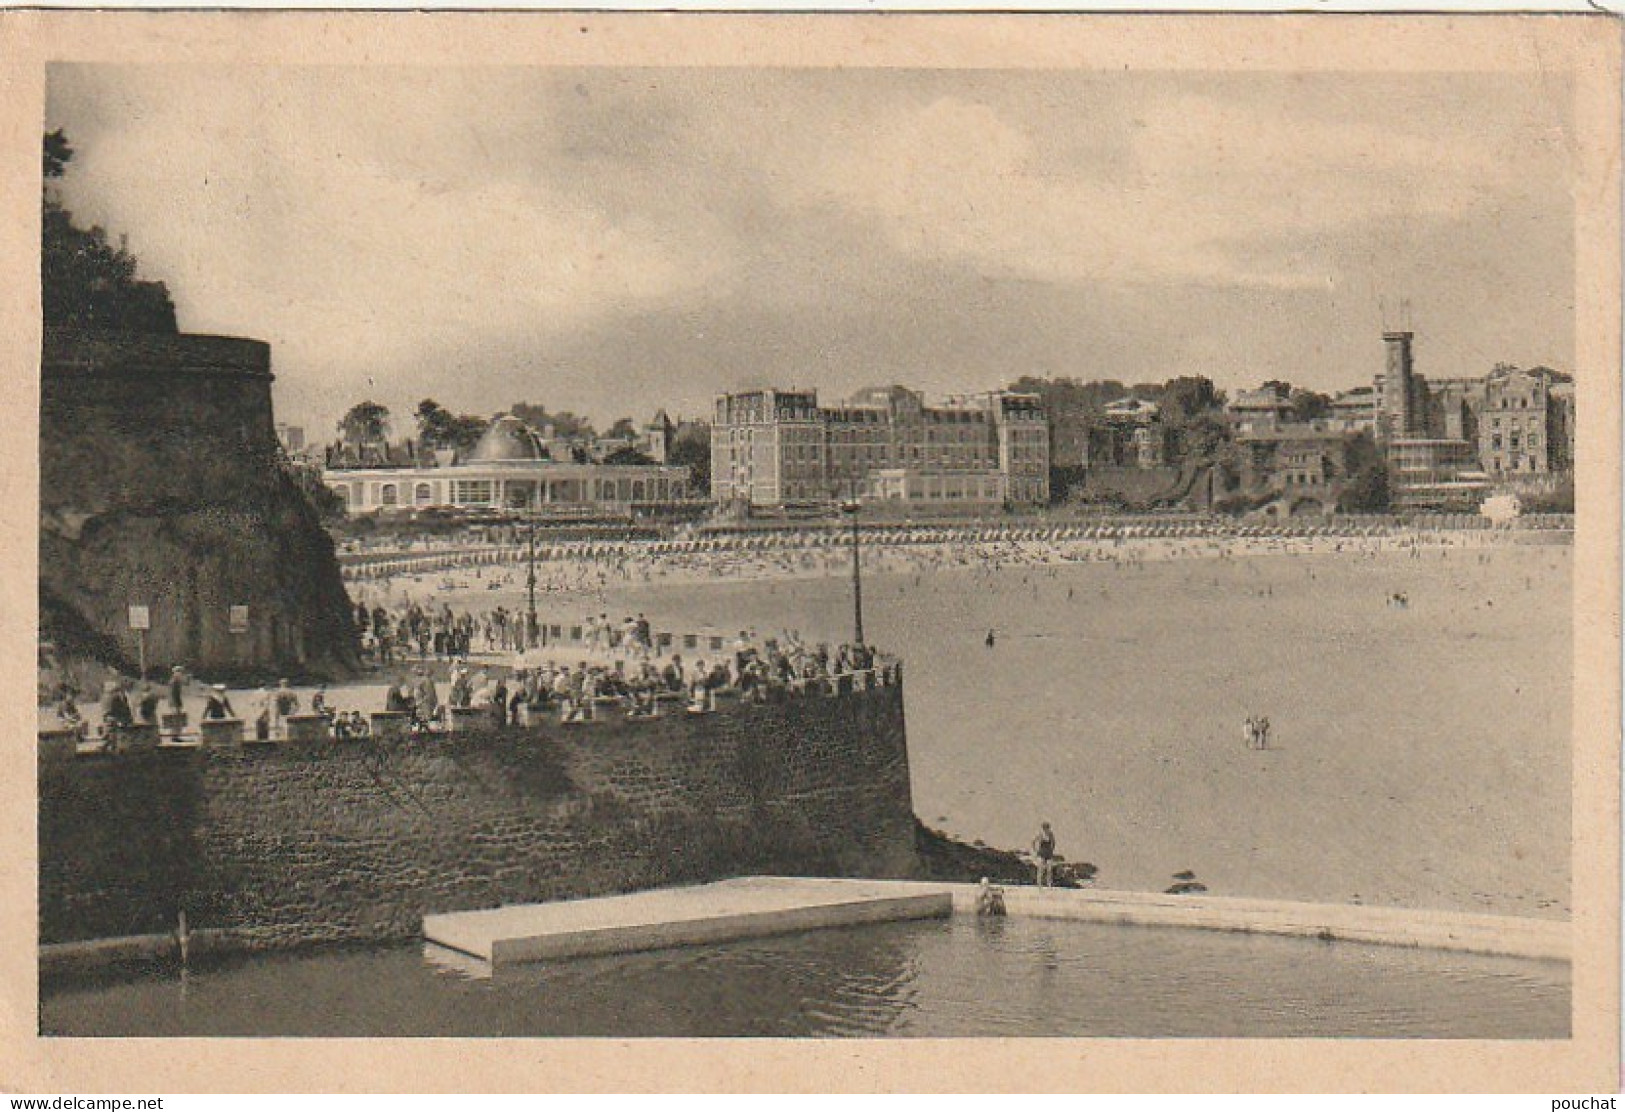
[[1526, 423], [771, 447]]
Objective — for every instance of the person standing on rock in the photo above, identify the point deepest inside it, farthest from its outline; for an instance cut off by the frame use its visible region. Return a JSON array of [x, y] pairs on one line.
[[1044, 853]]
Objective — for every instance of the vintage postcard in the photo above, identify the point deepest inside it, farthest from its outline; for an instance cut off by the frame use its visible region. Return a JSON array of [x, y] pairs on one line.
[[812, 552]]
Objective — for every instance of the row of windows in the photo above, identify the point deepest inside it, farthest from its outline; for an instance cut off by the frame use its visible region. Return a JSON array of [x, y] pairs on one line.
[[1512, 422], [1524, 402]]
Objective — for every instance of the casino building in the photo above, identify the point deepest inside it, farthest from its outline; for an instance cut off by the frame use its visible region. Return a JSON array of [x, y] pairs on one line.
[[510, 469]]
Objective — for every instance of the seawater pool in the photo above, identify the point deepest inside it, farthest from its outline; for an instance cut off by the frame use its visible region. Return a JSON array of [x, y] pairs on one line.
[[955, 977]]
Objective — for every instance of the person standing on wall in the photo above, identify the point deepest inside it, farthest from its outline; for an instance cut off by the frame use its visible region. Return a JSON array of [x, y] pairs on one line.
[[177, 689], [217, 706], [1044, 852], [284, 704]]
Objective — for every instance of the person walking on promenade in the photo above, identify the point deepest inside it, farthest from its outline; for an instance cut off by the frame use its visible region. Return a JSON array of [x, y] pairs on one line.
[[990, 639], [499, 703], [147, 706], [1249, 731], [1263, 733], [116, 713], [1044, 853]]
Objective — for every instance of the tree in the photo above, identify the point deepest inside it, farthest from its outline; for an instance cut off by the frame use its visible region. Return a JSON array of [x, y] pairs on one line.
[[438, 427], [1309, 405], [622, 429], [366, 423], [466, 430], [1366, 493], [628, 455], [691, 448], [1190, 396], [329, 506], [58, 153], [1367, 489], [565, 424], [85, 282], [1205, 436], [1067, 399]]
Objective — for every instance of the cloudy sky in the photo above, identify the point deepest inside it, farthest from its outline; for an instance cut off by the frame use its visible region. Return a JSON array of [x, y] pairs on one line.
[[612, 240]]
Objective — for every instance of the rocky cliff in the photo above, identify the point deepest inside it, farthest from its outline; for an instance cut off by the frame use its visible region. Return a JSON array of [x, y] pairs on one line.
[[160, 486]]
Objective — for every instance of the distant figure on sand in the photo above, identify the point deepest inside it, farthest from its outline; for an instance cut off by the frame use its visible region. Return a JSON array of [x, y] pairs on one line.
[[1044, 852], [1257, 731], [990, 638]]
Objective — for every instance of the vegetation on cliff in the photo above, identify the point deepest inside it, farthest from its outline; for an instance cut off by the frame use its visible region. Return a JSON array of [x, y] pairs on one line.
[[85, 281], [162, 485]]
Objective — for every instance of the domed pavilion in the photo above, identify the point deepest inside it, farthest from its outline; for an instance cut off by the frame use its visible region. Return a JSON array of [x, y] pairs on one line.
[[511, 468]]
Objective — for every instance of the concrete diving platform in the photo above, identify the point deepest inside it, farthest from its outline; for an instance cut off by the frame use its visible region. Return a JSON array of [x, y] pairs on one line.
[[748, 907]]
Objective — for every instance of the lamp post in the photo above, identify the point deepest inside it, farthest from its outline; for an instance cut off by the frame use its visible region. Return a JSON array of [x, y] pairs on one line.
[[530, 583], [850, 507]]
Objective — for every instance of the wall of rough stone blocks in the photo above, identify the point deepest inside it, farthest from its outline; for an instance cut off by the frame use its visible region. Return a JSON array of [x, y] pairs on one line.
[[159, 487], [357, 841]]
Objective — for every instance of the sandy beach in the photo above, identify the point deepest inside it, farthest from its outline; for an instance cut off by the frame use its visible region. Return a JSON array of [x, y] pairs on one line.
[[1112, 705], [1113, 699]]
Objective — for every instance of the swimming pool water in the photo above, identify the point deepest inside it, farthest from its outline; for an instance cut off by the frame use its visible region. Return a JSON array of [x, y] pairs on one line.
[[958, 977]]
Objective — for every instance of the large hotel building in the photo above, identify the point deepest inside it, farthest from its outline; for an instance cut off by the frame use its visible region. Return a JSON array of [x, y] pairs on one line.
[[773, 447]]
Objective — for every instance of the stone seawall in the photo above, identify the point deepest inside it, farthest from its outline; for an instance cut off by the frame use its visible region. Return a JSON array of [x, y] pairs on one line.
[[290, 844]]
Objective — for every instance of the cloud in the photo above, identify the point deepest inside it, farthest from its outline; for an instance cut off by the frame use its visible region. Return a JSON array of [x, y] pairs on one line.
[[1199, 178], [296, 215], [612, 240]]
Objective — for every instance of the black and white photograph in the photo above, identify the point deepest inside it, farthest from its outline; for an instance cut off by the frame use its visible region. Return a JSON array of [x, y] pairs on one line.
[[744, 549]]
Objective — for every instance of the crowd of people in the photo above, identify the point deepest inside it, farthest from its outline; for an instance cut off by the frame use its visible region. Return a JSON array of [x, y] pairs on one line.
[[611, 663], [392, 635], [624, 669]]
